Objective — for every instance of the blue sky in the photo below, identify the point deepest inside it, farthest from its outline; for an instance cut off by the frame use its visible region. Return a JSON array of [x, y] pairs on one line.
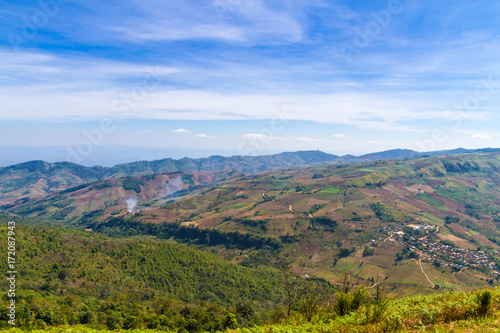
[[247, 77]]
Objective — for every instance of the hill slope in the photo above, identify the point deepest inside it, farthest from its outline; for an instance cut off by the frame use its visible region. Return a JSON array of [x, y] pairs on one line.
[[91, 273], [36, 179], [115, 196], [426, 221]]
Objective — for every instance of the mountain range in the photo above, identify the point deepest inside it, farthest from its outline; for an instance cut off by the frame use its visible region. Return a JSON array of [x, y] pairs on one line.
[[35, 179]]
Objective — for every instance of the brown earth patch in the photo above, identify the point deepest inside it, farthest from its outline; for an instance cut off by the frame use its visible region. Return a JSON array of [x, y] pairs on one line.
[[394, 190], [318, 202], [460, 242], [336, 181], [419, 188], [479, 238], [450, 203], [435, 181], [469, 183], [190, 223], [306, 248]]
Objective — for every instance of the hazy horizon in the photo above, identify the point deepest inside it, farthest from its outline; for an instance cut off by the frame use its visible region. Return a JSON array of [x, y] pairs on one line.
[[108, 156]]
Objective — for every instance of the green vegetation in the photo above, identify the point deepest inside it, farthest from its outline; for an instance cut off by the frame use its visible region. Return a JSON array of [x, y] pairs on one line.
[[70, 277], [430, 200], [130, 183], [449, 312], [368, 251], [326, 223], [383, 212], [452, 166], [450, 219], [332, 190], [132, 226], [316, 207], [370, 219]]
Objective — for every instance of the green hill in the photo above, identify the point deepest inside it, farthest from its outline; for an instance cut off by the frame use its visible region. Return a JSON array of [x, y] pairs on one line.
[[74, 281], [425, 227], [65, 275], [477, 311]]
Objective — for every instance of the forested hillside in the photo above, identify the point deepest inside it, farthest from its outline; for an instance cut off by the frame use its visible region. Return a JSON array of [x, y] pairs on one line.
[[70, 277]]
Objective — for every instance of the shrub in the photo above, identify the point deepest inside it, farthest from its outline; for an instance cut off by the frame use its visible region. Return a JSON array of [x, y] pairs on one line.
[[346, 302], [375, 311], [484, 300], [368, 251]]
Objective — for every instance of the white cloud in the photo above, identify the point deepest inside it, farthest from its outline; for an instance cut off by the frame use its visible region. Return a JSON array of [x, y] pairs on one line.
[[204, 136], [254, 136], [261, 137], [46, 71], [481, 136], [181, 130], [235, 21], [303, 138], [46, 87], [340, 136]]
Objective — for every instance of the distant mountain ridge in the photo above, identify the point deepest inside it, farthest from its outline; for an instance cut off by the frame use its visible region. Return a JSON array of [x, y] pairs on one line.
[[218, 162], [38, 178]]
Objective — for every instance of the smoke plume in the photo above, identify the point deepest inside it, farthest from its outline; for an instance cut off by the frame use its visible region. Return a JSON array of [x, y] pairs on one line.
[[131, 203]]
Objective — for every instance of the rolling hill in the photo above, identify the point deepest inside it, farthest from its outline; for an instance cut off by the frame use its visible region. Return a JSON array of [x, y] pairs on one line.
[[36, 179], [71, 277], [115, 196], [415, 215]]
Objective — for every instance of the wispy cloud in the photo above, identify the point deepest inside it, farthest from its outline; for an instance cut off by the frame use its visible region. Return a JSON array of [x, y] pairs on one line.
[[338, 135], [204, 136], [304, 138], [261, 137], [253, 21], [181, 130], [480, 137]]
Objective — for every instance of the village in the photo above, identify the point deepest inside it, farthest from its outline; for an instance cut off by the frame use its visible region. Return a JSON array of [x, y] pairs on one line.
[[441, 254]]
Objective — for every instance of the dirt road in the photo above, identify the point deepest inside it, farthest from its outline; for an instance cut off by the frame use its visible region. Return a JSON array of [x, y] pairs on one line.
[[419, 262]]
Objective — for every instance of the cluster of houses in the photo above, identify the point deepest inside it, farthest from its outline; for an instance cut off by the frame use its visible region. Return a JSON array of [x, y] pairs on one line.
[[458, 257], [436, 252]]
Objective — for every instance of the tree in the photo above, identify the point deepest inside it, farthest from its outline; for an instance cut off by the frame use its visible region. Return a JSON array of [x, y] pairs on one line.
[[309, 305], [344, 252], [230, 321], [295, 288], [368, 251], [244, 311]]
